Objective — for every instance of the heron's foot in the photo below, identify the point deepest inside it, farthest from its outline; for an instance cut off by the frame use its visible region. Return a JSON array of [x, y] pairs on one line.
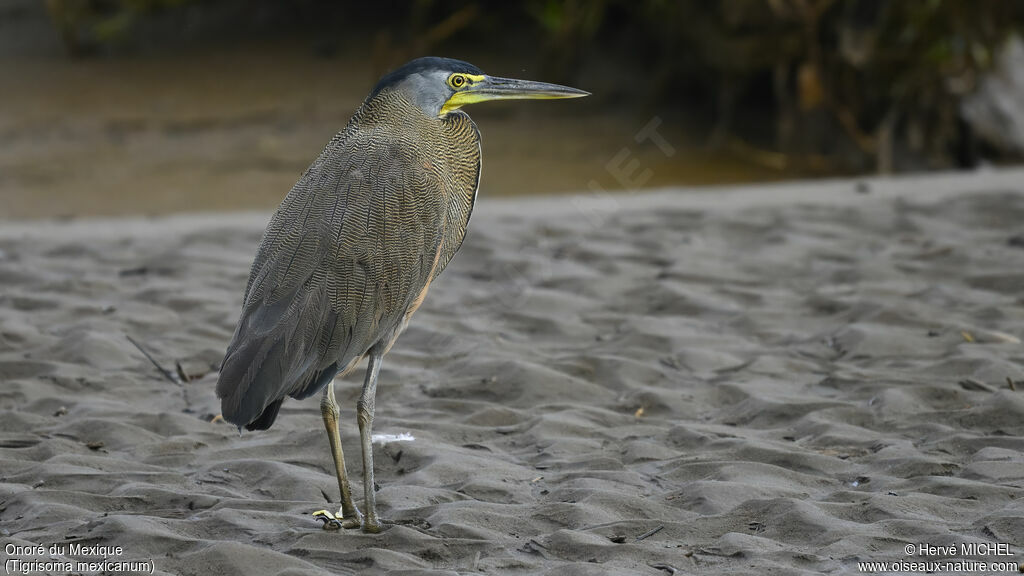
[[335, 522], [371, 525], [353, 519]]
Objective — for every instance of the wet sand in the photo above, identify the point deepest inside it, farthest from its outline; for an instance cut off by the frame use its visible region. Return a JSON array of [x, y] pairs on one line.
[[774, 380]]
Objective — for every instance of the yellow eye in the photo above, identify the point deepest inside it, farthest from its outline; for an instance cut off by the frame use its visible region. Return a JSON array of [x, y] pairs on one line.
[[456, 81]]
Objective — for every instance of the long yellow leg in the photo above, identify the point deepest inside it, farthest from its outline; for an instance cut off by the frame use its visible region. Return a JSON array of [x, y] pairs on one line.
[[350, 516]]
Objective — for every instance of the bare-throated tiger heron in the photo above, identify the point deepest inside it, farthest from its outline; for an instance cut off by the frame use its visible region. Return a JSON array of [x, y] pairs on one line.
[[350, 253]]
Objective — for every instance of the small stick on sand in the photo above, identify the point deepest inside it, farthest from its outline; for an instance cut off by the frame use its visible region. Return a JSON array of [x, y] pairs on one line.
[[182, 375], [649, 533], [167, 373]]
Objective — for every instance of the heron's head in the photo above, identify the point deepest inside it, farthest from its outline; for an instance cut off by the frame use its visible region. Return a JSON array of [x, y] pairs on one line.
[[439, 86]]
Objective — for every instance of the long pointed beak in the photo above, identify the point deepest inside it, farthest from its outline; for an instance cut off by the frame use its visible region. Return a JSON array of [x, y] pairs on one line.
[[493, 88], [485, 88]]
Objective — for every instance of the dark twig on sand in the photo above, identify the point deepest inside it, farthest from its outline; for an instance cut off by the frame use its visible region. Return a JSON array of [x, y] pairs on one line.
[[182, 375], [649, 533], [167, 373]]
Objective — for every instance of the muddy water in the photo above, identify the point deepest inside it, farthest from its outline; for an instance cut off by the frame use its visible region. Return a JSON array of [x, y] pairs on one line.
[[232, 129]]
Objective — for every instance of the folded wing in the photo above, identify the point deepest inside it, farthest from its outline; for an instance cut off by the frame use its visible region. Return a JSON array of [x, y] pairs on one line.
[[349, 249]]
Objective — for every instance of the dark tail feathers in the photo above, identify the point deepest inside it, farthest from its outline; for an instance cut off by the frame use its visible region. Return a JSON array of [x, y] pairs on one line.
[[266, 419]]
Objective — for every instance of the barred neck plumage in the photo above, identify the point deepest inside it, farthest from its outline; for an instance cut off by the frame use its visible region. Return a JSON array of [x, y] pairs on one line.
[[391, 107]]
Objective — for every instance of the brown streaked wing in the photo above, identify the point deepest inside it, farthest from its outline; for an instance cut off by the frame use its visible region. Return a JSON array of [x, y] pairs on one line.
[[340, 259]]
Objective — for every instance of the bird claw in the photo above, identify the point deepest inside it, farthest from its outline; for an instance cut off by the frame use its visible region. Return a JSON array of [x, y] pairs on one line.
[[350, 523]]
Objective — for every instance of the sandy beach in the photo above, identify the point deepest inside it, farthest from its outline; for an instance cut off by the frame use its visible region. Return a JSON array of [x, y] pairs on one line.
[[784, 379]]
